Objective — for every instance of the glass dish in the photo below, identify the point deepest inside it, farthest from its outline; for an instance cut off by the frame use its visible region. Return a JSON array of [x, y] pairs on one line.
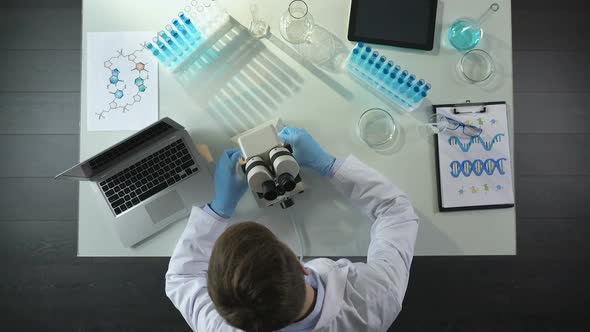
[[377, 128], [476, 66]]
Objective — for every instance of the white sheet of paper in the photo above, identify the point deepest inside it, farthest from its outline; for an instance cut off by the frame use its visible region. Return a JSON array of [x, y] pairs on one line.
[[465, 181], [122, 81]]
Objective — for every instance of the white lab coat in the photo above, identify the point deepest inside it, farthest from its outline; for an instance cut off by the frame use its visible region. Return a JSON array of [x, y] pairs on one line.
[[358, 296]]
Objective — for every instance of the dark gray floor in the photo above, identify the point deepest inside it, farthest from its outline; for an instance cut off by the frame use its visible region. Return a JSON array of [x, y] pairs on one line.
[[44, 286]]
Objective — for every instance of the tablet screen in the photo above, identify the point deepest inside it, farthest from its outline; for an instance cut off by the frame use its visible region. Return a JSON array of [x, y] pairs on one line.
[[407, 23]]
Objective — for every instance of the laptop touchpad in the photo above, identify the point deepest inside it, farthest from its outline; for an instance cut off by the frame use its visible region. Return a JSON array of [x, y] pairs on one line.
[[165, 206]]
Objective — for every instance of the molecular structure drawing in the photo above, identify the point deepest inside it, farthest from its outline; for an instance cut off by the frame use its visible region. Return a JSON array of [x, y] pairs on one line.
[[127, 81]]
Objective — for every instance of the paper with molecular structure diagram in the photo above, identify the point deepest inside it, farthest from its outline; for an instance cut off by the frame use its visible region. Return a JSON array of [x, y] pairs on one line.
[[121, 81]]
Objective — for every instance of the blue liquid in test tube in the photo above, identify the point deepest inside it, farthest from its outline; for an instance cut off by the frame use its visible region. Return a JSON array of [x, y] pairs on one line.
[[392, 75], [157, 53], [170, 42], [360, 45], [426, 87], [362, 59], [390, 78], [389, 65], [376, 68], [400, 80], [384, 74], [367, 54], [165, 49], [191, 27], [415, 89], [417, 98], [369, 64], [355, 55], [395, 72], [179, 39], [183, 31], [408, 84]]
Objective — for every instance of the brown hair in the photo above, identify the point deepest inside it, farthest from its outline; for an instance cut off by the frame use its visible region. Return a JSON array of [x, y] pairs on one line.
[[254, 279]]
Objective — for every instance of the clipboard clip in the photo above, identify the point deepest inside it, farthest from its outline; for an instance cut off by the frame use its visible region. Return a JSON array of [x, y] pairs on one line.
[[468, 107]]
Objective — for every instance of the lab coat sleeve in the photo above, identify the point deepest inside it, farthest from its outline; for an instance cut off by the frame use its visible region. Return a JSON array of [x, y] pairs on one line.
[[394, 224], [186, 279]]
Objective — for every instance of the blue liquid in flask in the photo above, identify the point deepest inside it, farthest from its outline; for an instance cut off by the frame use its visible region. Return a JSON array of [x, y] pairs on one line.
[[464, 34]]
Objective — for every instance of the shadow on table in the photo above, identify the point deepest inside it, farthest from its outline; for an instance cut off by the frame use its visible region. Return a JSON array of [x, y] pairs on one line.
[[238, 80], [315, 66]]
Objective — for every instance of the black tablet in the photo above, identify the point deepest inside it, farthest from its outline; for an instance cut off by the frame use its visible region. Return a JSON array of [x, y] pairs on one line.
[[404, 23]]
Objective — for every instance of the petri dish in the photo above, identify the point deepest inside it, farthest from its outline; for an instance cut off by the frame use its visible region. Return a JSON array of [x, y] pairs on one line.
[[377, 128], [476, 66]]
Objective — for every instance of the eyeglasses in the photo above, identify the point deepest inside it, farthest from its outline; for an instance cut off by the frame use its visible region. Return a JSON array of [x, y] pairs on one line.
[[468, 130]]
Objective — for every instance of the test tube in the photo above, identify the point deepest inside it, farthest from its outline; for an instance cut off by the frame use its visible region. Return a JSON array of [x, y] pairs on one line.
[[177, 37], [355, 55], [183, 31], [157, 53], [360, 45], [170, 42], [400, 80], [426, 87], [418, 97], [389, 65], [367, 53], [187, 21], [415, 89], [376, 68], [165, 49], [384, 73], [408, 84], [362, 59], [370, 63], [393, 74], [372, 60]]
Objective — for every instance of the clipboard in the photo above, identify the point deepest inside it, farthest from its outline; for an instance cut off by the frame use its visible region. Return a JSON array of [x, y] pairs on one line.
[[474, 173]]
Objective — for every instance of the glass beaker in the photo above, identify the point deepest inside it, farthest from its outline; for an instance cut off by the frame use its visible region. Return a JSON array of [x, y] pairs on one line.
[[258, 27], [296, 24], [465, 33]]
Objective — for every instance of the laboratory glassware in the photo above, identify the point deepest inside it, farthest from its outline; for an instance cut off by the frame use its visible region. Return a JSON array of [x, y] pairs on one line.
[[466, 32], [296, 25], [476, 66], [258, 27], [377, 128]]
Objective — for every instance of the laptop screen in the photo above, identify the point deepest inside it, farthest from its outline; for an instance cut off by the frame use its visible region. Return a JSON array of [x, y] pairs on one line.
[[115, 154]]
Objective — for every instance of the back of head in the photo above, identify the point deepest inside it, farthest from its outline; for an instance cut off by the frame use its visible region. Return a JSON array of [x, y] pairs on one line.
[[255, 280]]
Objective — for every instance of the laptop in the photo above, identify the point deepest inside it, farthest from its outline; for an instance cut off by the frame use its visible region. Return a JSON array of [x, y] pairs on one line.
[[149, 180]]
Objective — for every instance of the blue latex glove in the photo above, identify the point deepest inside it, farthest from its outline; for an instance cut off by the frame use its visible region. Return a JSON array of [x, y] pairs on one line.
[[307, 151], [229, 185]]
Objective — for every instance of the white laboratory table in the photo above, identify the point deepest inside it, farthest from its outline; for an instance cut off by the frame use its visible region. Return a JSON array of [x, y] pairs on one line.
[[277, 83]]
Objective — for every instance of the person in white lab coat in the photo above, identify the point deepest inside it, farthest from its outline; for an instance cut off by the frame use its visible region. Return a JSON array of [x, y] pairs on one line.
[[225, 277]]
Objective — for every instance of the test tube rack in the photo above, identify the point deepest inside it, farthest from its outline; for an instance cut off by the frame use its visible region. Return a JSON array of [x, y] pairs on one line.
[[385, 78], [187, 44]]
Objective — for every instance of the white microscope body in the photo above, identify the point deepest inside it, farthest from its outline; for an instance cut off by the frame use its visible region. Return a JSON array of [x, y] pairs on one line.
[[272, 172]]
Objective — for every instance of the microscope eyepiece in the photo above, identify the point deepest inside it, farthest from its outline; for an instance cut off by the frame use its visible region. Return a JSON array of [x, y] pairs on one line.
[[286, 181], [270, 191]]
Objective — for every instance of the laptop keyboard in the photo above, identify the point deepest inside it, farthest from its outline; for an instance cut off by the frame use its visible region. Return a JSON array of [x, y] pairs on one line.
[[148, 177]]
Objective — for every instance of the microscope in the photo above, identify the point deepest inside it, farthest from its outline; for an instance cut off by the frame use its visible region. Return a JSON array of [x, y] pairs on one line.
[[272, 172]]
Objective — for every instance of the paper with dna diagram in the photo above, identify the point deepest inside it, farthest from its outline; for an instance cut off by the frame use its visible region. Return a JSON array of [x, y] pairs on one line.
[[475, 171]]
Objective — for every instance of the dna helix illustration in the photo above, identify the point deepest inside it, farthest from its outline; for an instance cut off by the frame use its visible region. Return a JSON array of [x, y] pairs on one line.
[[487, 145], [477, 167]]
